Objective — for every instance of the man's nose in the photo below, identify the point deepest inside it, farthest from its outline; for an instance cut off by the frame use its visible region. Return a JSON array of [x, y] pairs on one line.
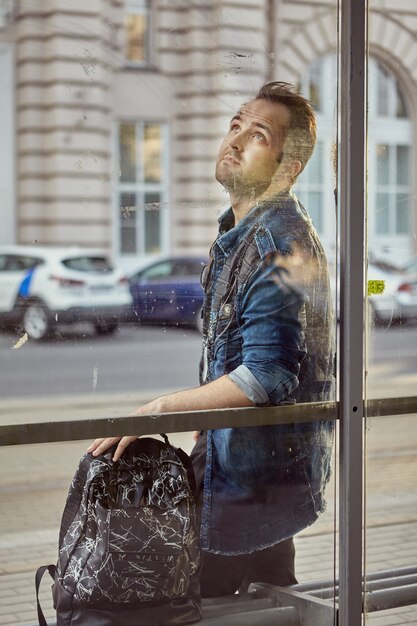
[[238, 140]]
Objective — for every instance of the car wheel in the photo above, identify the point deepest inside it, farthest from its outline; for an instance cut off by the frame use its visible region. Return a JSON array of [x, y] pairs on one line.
[[105, 327], [199, 320], [36, 321]]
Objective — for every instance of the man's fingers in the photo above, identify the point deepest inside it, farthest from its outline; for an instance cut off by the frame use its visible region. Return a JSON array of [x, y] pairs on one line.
[[99, 446], [93, 446], [196, 435], [123, 443]]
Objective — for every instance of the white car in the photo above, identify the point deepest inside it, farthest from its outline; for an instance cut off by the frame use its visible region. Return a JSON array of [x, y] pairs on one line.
[[407, 292], [41, 287], [387, 287]]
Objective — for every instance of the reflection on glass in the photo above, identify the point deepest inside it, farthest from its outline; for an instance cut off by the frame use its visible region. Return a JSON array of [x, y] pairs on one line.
[[128, 214], [127, 153], [152, 147]]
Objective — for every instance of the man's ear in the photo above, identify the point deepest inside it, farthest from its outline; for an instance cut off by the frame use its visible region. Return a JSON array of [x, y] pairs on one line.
[[290, 169]]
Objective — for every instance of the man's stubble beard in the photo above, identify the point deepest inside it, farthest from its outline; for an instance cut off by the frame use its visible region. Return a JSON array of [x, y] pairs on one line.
[[239, 185]]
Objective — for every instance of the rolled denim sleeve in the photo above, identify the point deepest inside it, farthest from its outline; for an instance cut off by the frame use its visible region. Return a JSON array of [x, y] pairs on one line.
[[273, 344]]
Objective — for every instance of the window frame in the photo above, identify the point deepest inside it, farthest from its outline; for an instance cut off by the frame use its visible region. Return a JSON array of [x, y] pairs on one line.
[[141, 187]]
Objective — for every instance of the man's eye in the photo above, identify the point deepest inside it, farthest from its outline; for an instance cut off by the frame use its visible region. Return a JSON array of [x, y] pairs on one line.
[[234, 128], [259, 136]]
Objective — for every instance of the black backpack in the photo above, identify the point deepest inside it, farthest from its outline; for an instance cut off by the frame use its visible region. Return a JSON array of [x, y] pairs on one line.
[[129, 550]]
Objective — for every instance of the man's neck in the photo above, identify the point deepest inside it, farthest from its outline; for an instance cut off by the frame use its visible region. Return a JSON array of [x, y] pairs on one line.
[[241, 205]]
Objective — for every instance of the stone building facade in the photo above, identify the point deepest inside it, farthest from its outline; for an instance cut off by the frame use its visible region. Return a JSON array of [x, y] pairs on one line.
[[113, 112]]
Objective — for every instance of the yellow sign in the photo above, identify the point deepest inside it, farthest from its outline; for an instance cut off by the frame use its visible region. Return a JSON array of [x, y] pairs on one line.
[[376, 287]]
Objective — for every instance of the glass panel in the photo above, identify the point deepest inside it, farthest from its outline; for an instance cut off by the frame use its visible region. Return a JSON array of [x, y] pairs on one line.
[[390, 482], [117, 114]]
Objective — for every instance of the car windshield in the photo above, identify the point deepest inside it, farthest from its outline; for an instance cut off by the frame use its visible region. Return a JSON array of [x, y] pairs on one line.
[[88, 264]]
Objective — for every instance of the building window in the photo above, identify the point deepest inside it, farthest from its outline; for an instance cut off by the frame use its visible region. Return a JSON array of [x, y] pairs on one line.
[[141, 187], [389, 159], [138, 28], [392, 214], [315, 186]]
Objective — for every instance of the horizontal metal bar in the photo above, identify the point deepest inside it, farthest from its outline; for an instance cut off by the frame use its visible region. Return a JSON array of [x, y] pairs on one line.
[[19, 434], [390, 598], [399, 572], [278, 616], [233, 607], [332, 590]]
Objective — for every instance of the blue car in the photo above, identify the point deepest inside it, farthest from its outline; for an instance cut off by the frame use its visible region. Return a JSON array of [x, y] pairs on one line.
[[169, 291]]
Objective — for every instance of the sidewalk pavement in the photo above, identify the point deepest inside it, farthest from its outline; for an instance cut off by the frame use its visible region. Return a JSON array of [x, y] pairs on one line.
[[34, 480]]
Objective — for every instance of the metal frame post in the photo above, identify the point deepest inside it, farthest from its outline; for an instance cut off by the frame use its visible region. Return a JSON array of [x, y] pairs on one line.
[[352, 299]]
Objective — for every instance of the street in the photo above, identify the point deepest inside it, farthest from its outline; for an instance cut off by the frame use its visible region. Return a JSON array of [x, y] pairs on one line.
[[135, 359], [147, 358]]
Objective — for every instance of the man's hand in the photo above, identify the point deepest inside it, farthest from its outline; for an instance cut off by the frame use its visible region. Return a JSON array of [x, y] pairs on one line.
[[99, 446], [219, 394]]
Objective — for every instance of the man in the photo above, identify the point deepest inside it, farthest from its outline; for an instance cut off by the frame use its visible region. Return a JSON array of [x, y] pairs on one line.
[[266, 340]]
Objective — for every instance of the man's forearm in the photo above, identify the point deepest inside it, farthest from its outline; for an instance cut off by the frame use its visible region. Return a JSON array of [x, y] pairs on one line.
[[219, 394]]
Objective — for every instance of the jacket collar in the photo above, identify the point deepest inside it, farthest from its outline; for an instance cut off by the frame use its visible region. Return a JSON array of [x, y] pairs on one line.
[[230, 235]]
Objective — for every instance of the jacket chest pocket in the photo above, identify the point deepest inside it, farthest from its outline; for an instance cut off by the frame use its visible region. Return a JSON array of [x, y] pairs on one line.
[[227, 347]]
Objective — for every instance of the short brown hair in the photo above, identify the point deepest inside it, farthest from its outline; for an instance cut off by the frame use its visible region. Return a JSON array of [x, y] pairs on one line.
[[302, 128]]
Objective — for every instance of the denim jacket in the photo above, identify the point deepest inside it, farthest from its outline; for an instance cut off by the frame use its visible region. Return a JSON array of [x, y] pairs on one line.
[[268, 326]]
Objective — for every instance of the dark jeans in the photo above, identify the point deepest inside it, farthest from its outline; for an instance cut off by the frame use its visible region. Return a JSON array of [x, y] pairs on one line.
[[223, 575]]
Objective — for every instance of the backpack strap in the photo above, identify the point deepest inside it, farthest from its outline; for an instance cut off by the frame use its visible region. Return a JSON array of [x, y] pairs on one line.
[[38, 577], [186, 461], [74, 496]]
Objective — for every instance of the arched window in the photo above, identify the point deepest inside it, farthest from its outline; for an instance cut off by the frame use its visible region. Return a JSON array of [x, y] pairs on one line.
[[389, 154], [389, 159]]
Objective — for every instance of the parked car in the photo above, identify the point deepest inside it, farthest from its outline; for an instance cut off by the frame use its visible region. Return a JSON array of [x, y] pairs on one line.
[[41, 287], [169, 291], [407, 292], [393, 302], [383, 306]]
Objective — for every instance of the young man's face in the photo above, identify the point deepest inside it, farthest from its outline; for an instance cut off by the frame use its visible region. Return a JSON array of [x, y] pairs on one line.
[[248, 159]]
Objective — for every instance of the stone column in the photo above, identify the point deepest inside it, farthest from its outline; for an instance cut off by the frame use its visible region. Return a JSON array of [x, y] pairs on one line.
[[63, 80]]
